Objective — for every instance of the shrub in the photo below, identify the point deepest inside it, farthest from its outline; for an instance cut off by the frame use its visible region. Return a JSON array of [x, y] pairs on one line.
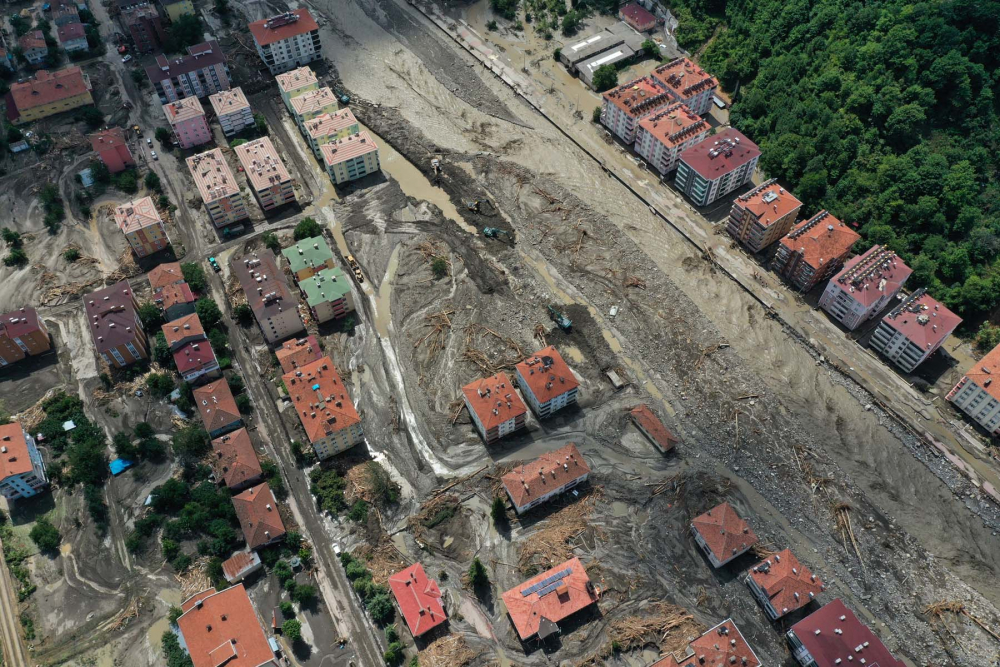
[[292, 630], [393, 654], [605, 78], [174, 614], [477, 573], [71, 254], [243, 314], [287, 610], [596, 116], [270, 240], [45, 536], [150, 315], [557, 53], [380, 607], [15, 257], [191, 441], [152, 182], [385, 490], [304, 594], [498, 511], [160, 384], [92, 116], [244, 404], [356, 570], [391, 634], [162, 135], [10, 237], [440, 267], [358, 512], [208, 312]]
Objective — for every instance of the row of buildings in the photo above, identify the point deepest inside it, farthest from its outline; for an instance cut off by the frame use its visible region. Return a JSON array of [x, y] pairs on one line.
[[189, 122]]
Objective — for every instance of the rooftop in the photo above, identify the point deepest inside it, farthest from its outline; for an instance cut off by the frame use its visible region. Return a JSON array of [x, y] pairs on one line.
[[183, 109], [834, 636], [307, 253], [768, 202], [212, 175], [111, 316], [347, 148], [165, 274], [70, 31], [720, 154], [549, 471], [684, 77], [981, 373], [922, 319], [820, 239], [194, 355], [637, 14], [33, 39], [537, 605], [14, 459], [113, 137], [721, 646], [637, 97], [199, 56], [48, 87], [494, 400], [136, 215], [327, 124], [547, 375], [419, 599], [263, 167], [320, 399], [283, 26], [239, 563], [235, 460], [297, 78], [869, 276], [172, 295], [789, 584], [216, 405], [21, 322], [297, 353], [228, 101], [325, 286], [645, 418], [264, 284], [258, 514], [188, 326], [312, 101], [221, 628], [725, 533], [674, 125]]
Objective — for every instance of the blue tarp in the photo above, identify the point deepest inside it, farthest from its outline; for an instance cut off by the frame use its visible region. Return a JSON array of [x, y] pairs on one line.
[[118, 466]]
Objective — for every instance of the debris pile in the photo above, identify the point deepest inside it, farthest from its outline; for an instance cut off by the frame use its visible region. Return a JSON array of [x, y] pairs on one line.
[[553, 542], [448, 651], [670, 628], [383, 560]]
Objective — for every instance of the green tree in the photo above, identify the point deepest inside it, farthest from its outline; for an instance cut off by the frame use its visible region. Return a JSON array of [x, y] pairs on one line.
[[162, 135], [92, 116], [127, 181], [194, 276], [243, 314], [71, 254], [292, 630], [260, 124], [191, 441], [45, 536], [184, 32], [124, 447], [477, 573], [605, 78], [270, 240], [160, 384], [393, 655], [150, 316], [152, 182], [161, 351], [570, 23], [358, 511], [391, 634], [306, 229], [440, 267], [380, 607], [498, 511]]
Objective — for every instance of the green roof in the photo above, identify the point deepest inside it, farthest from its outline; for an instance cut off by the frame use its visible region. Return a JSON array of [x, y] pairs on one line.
[[308, 253], [326, 286]]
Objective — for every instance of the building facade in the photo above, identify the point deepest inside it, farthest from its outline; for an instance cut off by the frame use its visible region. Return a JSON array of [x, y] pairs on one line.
[[324, 407], [350, 158], [269, 180], [688, 84], [22, 471], [328, 294], [864, 286], [977, 396], [274, 307], [914, 330], [551, 474], [22, 334], [495, 408], [47, 94], [217, 187], [188, 122], [232, 110], [33, 47], [328, 127], [814, 250], [145, 27], [547, 382], [294, 83], [763, 215], [112, 149], [72, 37], [308, 256], [140, 222], [623, 107], [287, 41], [716, 166], [662, 137], [115, 325], [202, 72]]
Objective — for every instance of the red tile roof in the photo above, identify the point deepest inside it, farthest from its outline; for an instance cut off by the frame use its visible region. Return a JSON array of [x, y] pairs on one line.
[[923, 320], [789, 584], [549, 471], [419, 599], [258, 514], [283, 26], [223, 629], [347, 148], [200, 56], [546, 374], [674, 125], [636, 15], [566, 595], [194, 356], [684, 77], [173, 295], [188, 326], [725, 533], [235, 459], [320, 399], [652, 425], [32, 40], [768, 202], [111, 316], [70, 31], [866, 278], [494, 400], [216, 404], [854, 642], [14, 459], [20, 322], [721, 646], [165, 274], [720, 154], [239, 563], [985, 372], [638, 98], [297, 353], [820, 239], [113, 137], [48, 87]]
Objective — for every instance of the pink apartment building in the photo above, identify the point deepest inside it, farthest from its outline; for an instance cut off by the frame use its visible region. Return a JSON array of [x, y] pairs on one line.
[[187, 120]]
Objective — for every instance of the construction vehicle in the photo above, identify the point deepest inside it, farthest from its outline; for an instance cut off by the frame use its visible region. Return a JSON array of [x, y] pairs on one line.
[[355, 268], [561, 320], [214, 264], [472, 205], [232, 231], [343, 97], [494, 233]]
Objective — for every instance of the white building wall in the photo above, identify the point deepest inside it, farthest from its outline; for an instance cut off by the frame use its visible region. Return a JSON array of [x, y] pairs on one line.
[[976, 402]]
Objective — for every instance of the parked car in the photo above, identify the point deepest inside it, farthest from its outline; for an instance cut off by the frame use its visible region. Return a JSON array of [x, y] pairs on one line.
[[149, 142], [127, 58], [153, 154]]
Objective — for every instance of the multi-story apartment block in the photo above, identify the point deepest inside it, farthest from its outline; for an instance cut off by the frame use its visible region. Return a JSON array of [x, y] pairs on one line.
[[287, 41], [538, 605], [495, 407], [22, 334], [814, 250], [662, 137], [328, 294], [328, 127], [202, 72], [115, 325], [629, 103], [914, 330], [175, 301], [834, 637], [295, 354], [144, 25], [178, 333], [140, 222], [716, 166], [47, 94], [177, 8], [269, 179], [864, 286], [687, 83], [33, 47], [218, 189], [763, 215], [235, 462], [232, 110], [308, 256], [311, 104], [72, 37], [188, 122], [112, 148], [294, 83], [325, 409], [782, 584], [193, 355], [547, 382], [273, 305], [551, 474], [977, 396], [22, 472], [350, 158]]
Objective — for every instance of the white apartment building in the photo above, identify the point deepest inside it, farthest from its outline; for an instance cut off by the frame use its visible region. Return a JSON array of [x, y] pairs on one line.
[[864, 286], [269, 179], [350, 158], [547, 382], [977, 395], [663, 136], [217, 186], [914, 330], [287, 41], [22, 472], [232, 110], [627, 104], [495, 407]]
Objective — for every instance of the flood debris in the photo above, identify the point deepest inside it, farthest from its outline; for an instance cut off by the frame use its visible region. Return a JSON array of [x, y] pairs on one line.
[[666, 626]]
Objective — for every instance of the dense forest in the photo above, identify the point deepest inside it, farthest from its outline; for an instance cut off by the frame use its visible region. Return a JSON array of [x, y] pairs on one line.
[[884, 113]]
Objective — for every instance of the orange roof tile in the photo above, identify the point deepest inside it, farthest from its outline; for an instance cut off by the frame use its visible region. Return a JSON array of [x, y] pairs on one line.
[[188, 326], [768, 202], [419, 599], [283, 26], [639, 97], [789, 584], [258, 514], [724, 531], [320, 399], [137, 214], [549, 471], [238, 563], [105, 139], [684, 77], [297, 353], [820, 239], [652, 425], [14, 459], [721, 646], [674, 125], [235, 460], [172, 295], [48, 87], [985, 371], [540, 609], [546, 374], [165, 274], [221, 628], [494, 400], [216, 404]]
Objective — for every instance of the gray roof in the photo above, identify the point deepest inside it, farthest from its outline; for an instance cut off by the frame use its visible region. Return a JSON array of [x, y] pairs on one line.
[[594, 44], [609, 57]]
